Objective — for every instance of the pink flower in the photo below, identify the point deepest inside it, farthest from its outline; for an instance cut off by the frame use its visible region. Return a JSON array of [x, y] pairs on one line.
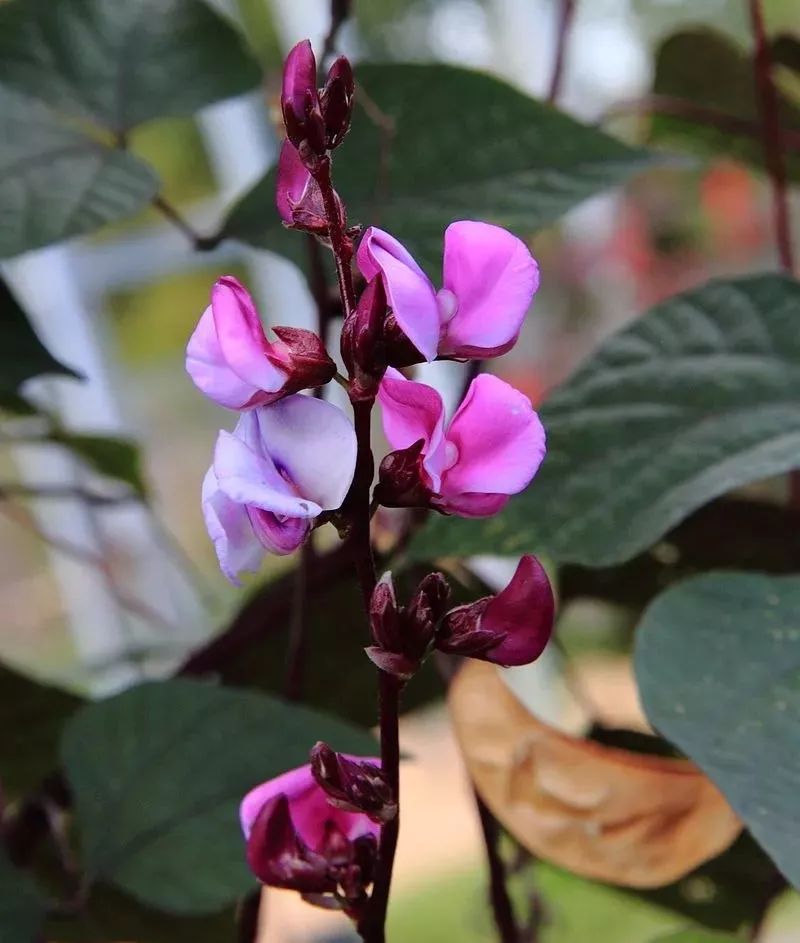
[[489, 279], [230, 359], [490, 450], [282, 466], [297, 838], [511, 628]]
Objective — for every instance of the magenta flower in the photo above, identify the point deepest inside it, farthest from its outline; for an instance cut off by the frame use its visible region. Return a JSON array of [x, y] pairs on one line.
[[296, 838], [489, 280], [490, 450], [282, 466], [511, 628], [230, 359]]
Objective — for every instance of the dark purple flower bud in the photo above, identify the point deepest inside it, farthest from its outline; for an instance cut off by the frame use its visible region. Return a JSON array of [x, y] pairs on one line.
[[404, 635], [401, 482], [279, 857], [303, 356], [300, 104], [511, 628], [362, 341], [336, 101], [353, 785]]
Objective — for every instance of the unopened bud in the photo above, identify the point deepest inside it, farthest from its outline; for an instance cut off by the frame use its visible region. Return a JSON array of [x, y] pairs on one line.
[[304, 358], [401, 483], [384, 615], [300, 105], [353, 785], [336, 101], [362, 341], [511, 628], [299, 198], [278, 857]]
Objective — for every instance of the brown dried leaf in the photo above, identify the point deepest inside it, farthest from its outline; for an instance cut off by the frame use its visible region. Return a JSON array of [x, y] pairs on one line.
[[598, 811]]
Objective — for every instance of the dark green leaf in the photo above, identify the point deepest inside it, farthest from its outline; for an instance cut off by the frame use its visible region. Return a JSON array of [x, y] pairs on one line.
[[157, 775], [119, 64], [786, 51], [112, 456], [55, 180], [331, 655], [21, 905], [725, 893], [718, 666], [684, 64], [23, 354], [111, 915], [33, 714], [697, 397], [464, 145]]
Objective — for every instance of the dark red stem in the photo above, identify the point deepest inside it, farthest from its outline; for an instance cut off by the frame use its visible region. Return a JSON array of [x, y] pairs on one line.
[[566, 11], [357, 506], [772, 138], [502, 909], [772, 135]]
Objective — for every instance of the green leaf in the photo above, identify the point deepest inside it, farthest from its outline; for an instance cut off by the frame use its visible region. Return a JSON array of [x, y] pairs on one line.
[[21, 905], [118, 64], [336, 654], [684, 63], [33, 715], [718, 666], [158, 773], [111, 915], [697, 397], [113, 456], [22, 354], [56, 180], [464, 145], [697, 936]]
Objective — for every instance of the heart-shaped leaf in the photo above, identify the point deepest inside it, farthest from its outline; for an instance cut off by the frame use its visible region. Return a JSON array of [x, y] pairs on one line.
[[435, 143], [158, 772], [718, 666], [697, 397]]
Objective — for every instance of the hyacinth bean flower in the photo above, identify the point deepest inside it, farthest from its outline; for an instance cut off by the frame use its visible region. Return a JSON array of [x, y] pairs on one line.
[[511, 628], [297, 838], [230, 359], [489, 279], [491, 449], [281, 467]]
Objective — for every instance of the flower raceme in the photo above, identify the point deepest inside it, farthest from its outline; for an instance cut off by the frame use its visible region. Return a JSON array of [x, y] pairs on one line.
[[281, 467], [298, 838], [230, 359], [491, 448], [489, 279]]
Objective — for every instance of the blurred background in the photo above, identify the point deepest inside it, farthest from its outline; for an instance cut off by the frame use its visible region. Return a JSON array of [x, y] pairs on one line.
[[97, 596]]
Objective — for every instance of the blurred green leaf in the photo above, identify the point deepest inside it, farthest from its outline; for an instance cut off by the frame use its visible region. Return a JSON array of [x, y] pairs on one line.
[[461, 145], [331, 655], [112, 456], [21, 905], [697, 397], [717, 663], [158, 772], [697, 936], [706, 69], [33, 715], [56, 180], [725, 893], [111, 915], [22, 354], [118, 64]]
